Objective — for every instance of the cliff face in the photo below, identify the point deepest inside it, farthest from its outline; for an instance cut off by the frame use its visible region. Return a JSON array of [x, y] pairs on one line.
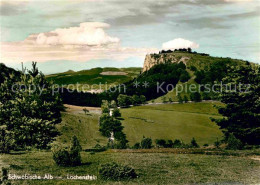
[[154, 59]]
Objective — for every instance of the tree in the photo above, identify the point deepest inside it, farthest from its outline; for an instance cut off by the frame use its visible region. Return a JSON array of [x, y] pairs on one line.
[[109, 124], [177, 143], [241, 111], [185, 99], [30, 109], [136, 99], [146, 143], [6, 140], [185, 76], [180, 98], [164, 99], [74, 144], [105, 106], [194, 143], [116, 113], [142, 99], [113, 104], [160, 143], [195, 97], [124, 100], [74, 153]]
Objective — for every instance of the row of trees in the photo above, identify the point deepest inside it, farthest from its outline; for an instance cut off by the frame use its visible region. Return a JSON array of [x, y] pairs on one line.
[[110, 125], [124, 100], [146, 143]]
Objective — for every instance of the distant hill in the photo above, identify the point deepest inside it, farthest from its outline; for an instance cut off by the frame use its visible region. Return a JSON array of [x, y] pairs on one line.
[[198, 60], [202, 69], [105, 76]]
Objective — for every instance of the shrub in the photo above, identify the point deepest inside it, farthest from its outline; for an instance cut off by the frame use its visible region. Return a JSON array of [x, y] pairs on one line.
[[193, 68], [143, 99], [184, 76], [193, 143], [75, 158], [61, 157], [177, 143], [146, 143], [195, 97], [75, 145], [72, 157], [169, 144], [233, 143], [206, 145], [217, 143], [137, 146], [160, 143], [114, 171], [185, 99]]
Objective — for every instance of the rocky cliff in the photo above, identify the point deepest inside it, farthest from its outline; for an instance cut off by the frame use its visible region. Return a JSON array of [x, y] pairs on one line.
[[154, 59]]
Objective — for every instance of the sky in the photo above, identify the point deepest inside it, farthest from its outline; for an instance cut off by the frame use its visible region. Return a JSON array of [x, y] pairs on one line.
[[64, 35]]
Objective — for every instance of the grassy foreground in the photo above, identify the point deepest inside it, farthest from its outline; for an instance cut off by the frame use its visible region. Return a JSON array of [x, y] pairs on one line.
[[152, 168]]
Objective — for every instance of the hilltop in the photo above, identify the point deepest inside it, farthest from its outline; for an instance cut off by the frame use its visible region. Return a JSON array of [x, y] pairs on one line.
[[105, 76], [198, 60]]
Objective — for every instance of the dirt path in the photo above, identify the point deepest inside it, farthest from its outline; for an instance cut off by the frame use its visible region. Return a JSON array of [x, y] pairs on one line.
[[257, 158], [79, 109]]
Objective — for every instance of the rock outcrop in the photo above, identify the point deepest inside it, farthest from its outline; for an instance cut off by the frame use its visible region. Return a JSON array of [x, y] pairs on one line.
[[154, 59]]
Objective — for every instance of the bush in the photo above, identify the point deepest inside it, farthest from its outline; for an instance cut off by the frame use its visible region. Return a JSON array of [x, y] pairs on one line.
[[177, 143], [217, 143], [146, 143], [114, 171], [137, 146], [185, 99], [195, 97], [193, 143], [160, 143], [61, 157], [184, 76], [233, 143], [72, 157], [75, 145], [169, 144], [75, 158]]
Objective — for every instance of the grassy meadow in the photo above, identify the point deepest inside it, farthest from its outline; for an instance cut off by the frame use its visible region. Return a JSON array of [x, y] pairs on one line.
[[167, 121], [172, 121], [152, 168]]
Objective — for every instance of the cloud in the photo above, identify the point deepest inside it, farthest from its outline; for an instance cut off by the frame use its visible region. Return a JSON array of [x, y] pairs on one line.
[[88, 33], [179, 43], [87, 42]]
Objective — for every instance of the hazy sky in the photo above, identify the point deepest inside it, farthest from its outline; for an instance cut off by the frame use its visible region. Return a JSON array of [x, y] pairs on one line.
[[81, 34]]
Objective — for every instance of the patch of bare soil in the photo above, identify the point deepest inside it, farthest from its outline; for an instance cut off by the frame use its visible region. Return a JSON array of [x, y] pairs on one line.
[[113, 73], [79, 109]]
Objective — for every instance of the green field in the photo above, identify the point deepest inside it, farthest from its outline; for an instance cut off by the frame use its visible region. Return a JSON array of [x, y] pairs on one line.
[[85, 127], [168, 121], [95, 77], [172, 121], [152, 168]]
